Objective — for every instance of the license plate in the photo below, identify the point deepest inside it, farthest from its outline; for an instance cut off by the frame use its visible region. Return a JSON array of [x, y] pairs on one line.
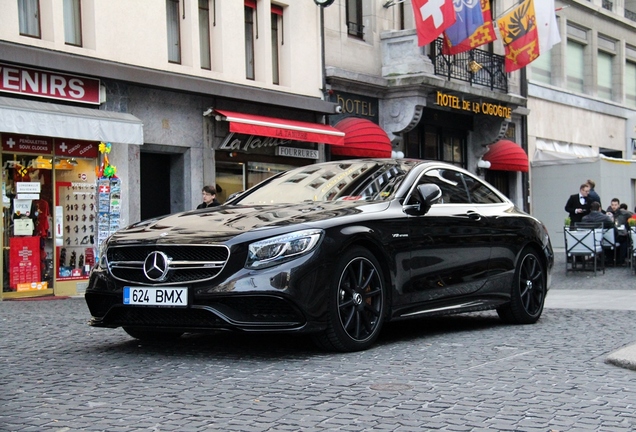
[[175, 296]]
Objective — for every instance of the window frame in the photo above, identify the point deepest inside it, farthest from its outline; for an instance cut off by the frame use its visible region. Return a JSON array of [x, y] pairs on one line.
[[29, 27], [354, 24], [173, 35], [277, 39], [205, 41], [73, 22], [250, 39]]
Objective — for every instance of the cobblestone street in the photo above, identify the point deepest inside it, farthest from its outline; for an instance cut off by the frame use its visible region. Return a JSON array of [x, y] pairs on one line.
[[462, 373]]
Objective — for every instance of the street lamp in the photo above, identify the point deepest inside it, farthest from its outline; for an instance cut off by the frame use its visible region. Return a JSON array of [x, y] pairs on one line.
[[323, 4]]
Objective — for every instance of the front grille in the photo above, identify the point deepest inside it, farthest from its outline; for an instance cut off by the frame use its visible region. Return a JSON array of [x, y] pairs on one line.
[[166, 317], [187, 263], [257, 309]]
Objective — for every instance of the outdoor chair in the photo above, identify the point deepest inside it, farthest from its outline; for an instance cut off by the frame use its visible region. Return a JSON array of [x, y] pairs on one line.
[[583, 243], [610, 243]]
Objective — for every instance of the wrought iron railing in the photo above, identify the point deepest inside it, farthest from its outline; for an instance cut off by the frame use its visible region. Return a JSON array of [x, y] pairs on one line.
[[630, 15], [608, 4], [478, 67]]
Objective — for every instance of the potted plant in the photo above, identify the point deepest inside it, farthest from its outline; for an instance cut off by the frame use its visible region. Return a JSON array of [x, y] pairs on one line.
[[632, 223], [568, 220]]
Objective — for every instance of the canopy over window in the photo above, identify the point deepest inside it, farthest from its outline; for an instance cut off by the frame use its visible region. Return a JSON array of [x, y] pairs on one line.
[[506, 155], [280, 128], [27, 117], [363, 138]]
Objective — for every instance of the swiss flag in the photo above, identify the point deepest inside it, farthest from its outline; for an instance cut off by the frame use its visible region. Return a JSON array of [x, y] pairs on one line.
[[432, 17]]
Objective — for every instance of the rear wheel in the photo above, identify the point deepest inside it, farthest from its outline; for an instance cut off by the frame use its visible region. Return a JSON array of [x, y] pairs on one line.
[[529, 289], [356, 303], [152, 335]]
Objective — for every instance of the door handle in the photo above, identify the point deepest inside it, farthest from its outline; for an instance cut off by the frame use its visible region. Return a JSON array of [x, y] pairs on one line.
[[473, 215]]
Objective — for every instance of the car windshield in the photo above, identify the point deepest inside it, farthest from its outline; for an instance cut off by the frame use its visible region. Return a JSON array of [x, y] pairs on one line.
[[360, 180]]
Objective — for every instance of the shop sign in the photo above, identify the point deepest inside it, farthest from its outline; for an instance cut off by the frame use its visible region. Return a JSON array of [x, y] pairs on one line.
[[249, 143], [26, 144], [24, 259], [76, 148], [455, 102], [354, 105], [28, 187], [297, 152], [50, 85]]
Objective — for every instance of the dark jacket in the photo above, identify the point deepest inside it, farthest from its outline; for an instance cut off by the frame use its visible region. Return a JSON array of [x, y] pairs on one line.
[[214, 203], [598, 217], [572, 204], [593, 196]]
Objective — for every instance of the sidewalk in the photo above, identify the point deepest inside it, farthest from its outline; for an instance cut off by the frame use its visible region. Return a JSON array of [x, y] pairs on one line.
[[614, 290]]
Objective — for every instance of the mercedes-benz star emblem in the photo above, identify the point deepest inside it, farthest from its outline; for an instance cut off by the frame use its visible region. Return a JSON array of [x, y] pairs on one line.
[[156, 266]]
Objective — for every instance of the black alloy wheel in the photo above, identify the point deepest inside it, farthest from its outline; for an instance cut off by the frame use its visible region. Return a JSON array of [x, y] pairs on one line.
[[529, 289], [356, 304]]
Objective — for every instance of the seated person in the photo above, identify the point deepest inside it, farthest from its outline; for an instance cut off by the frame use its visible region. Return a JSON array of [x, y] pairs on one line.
[[598, 216]]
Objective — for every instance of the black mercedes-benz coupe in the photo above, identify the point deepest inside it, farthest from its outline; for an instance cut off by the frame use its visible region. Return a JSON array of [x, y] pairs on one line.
[[333, 250]]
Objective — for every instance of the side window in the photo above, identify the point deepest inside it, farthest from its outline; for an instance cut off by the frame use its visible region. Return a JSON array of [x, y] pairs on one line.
[[480, 193], [451, 183]]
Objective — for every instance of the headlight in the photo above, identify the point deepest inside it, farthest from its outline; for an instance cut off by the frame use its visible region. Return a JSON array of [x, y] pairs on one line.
[[282, 248]]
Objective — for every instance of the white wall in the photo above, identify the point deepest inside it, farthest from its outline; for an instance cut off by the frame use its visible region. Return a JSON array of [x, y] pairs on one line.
[[134, 32]]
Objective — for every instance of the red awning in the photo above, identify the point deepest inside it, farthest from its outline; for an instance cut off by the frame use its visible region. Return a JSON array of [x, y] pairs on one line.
[[363, 138], [506, 155], [281, 128]]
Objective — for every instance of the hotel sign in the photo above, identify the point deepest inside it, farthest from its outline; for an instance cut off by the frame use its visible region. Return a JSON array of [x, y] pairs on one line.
[[49, 85], [475, 107]]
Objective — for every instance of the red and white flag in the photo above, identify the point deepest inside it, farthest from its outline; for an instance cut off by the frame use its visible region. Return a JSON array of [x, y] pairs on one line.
[[432, 17]]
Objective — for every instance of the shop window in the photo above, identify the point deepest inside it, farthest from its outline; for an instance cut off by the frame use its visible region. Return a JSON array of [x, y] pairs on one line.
[[204, 33], [50, 217], [72, 22], [250, 37], [174, 32], [29, 17], [277, 40], [354, 18], [436, 144]]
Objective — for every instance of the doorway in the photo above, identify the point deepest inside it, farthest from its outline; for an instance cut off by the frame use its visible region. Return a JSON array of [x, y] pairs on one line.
[[155, 184]]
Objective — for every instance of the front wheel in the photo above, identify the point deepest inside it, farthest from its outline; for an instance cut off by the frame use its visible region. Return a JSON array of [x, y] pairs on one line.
[[356, 303], [529, 289]]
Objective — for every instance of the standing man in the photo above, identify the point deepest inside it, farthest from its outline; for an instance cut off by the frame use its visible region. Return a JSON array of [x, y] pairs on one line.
[[592, 194], [209, 198], [578, 205]]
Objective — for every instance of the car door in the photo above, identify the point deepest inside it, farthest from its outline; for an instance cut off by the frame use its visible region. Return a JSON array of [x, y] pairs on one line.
[[450, 244]]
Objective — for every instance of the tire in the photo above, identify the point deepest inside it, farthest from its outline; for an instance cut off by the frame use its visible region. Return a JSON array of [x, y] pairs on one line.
[[529, 288], [356, 303], [152, 335]]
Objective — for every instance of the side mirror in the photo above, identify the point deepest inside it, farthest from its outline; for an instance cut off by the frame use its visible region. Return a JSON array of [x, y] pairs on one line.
[[427, 195]]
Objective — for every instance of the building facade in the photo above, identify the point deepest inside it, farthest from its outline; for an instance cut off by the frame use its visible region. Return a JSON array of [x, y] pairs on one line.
[[432, 106], [582, 103], [107, 118]]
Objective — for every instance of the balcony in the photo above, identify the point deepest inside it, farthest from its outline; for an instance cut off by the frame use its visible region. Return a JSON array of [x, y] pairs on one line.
[[477, 67]]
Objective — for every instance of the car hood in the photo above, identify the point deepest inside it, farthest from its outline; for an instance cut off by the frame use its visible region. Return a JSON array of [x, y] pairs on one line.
[[225, 222]]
